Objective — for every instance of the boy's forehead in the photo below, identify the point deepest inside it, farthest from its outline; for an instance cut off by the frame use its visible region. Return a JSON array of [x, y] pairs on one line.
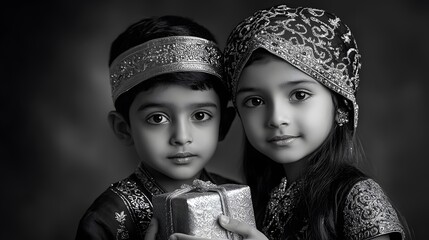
[[177, 96]]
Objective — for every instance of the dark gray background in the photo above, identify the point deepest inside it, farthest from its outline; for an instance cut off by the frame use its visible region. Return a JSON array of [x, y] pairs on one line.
[[59, 153]]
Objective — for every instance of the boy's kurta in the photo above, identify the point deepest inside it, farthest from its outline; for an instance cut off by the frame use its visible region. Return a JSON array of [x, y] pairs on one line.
[[124, 210]]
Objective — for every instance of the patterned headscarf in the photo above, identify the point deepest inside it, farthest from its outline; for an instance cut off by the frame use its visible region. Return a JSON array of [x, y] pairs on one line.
[[314, 41]]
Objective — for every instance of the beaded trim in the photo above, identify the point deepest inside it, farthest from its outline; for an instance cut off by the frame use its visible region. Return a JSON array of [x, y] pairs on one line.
[[312, 40], [368, 213], [163, 55], [283, 201], [137, 203]]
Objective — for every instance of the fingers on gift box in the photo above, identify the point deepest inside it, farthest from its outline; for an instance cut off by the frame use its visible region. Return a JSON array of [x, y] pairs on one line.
[[194, 209]]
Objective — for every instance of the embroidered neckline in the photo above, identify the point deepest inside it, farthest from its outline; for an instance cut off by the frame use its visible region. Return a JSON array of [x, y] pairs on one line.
[[148, 181], [283, 201]]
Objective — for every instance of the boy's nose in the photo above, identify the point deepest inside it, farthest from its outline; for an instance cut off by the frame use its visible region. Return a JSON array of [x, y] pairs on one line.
[[181, 134]]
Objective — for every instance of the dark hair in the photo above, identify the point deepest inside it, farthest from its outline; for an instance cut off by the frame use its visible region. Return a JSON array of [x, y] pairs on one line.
[[157, 27], [330, 174], [337, 155], [330, 171]]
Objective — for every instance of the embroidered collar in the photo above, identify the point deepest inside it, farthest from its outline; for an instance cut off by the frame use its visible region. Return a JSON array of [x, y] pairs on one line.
[[148, 181], [283, 201]]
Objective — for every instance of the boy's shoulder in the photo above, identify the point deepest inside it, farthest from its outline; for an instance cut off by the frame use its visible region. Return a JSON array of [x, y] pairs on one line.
[[123, 209]]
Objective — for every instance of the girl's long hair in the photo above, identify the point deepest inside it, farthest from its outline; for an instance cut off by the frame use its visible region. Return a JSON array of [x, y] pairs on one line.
[[330, 172], [329, 176]]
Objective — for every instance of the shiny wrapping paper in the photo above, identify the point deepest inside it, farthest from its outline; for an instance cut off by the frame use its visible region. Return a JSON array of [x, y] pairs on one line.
[[194, 210]]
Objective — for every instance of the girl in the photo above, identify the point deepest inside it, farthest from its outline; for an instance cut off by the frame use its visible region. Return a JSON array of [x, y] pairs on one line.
[[293, 75]]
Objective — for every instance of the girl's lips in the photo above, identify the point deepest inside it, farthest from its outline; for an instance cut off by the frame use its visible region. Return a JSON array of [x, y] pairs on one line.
[[182, 155], [283, 140]]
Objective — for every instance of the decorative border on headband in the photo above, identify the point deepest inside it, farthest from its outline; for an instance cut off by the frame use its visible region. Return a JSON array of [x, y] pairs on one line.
[[302, 58], [163, 55]]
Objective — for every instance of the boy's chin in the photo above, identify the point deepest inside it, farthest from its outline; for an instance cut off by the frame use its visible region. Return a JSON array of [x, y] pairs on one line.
[[185, 174]]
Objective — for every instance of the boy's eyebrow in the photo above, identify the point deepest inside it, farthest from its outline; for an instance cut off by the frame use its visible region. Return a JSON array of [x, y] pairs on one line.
[[150, 105], [205, 104], [160, 105]]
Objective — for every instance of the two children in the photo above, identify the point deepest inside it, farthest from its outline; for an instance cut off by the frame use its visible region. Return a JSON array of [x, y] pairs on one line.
[[293, 74], [171, 106]]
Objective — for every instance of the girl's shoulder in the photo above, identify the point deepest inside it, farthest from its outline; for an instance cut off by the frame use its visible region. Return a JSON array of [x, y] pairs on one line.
[[368, 212]]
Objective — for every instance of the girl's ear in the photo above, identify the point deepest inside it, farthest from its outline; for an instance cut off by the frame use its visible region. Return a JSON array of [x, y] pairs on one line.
[[120, 127], [226, 122], [341, 117]]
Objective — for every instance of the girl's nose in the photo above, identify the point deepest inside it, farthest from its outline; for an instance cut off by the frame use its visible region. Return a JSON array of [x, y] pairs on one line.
[[278, 116]]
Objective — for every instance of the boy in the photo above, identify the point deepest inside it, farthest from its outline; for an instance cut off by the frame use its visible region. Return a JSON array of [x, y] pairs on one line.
[[171, 105]]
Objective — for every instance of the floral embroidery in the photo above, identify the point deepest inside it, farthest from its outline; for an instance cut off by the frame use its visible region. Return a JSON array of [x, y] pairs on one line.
[[368, 212], [283, 202], [314, 41], [335, 22], [138, 204], [122, 232]]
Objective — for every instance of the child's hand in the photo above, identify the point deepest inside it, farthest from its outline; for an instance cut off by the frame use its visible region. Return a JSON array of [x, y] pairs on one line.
[[151, 230], [246, 231]]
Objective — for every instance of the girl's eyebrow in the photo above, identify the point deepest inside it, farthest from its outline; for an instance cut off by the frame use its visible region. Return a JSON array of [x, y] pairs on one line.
[[247, 89], [283, 85], [297, 82]]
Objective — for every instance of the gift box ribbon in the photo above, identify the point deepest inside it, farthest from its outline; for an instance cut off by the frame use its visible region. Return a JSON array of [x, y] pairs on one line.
[[198, 186]]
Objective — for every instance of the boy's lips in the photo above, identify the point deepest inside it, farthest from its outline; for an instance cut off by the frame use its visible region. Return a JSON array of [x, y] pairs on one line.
[[282, 140], [182, 157]]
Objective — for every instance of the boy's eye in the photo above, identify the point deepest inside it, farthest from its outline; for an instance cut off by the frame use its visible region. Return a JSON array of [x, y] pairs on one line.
[[201, 116], [157, 119], [300, 96], [253, 102]]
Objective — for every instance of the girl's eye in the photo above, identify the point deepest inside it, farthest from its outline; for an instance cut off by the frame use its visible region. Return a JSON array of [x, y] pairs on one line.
[[299, 96], [157, 119], [201, 116], [253, 102]]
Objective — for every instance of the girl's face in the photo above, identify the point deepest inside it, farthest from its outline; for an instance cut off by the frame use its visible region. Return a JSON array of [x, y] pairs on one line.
[[286, 114]]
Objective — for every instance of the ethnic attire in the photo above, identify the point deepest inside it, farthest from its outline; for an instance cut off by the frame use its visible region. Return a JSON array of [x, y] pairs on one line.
[[362, 211], [320, 45], [124, 210]]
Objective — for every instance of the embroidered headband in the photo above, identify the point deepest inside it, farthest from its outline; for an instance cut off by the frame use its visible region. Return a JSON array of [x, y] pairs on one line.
[[163, 55], [312, 40]]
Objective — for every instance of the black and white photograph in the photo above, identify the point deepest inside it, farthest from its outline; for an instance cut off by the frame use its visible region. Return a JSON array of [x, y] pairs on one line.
[[185, 120]]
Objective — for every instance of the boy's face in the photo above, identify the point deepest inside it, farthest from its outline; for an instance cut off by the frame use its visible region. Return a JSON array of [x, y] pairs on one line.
[[175, 129]]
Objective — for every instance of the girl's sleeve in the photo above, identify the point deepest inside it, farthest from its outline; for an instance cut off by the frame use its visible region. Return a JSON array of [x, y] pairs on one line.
[[368, 213]]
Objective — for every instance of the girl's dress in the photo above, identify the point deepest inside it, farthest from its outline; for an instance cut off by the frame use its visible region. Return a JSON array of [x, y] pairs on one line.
[[124, 210], [362, 211]]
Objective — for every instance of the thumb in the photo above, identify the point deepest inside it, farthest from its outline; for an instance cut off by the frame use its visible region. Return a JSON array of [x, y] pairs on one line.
[[152, 230], [245, 230]]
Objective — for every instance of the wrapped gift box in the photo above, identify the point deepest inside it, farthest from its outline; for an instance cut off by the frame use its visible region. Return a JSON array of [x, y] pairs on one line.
[[194, 209]]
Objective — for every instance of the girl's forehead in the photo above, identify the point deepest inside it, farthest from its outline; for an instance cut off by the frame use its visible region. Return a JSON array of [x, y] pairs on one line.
[[273, 71]]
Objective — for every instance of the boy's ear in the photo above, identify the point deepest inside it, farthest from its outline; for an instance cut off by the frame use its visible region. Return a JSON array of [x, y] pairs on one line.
[[226, 122], [120, 127]]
